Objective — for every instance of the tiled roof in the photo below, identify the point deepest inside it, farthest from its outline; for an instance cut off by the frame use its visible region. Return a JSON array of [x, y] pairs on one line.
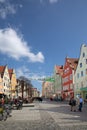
[[73, 62], [59, 69], [2, 69]]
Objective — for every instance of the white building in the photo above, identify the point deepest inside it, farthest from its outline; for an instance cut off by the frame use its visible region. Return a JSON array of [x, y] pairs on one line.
[[80, 85]]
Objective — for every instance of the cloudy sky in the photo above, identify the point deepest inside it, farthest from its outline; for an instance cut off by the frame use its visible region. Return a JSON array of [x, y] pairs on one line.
[[36, 35]]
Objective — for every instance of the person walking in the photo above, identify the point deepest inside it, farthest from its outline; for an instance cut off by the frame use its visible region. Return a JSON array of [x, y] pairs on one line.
[[72, 103], [80, 103]]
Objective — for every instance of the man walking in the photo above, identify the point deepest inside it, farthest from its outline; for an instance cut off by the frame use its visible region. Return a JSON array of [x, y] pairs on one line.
[[80, 103], [72, 103]]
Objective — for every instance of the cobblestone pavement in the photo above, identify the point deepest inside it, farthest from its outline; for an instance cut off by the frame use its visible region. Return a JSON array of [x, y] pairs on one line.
[[64, 118], [46, 116]]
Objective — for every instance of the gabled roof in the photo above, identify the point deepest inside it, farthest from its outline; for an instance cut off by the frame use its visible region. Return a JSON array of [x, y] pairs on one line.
[[73, 62], [10, 72], [59, 69], [2, 69]]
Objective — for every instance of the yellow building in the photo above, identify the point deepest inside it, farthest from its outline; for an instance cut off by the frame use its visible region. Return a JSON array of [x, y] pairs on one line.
[[13, 82], [47, 89]]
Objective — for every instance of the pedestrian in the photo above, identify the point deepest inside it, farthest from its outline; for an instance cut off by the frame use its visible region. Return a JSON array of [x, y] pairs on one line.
[[80, 103], [2, 101], [72, 103]]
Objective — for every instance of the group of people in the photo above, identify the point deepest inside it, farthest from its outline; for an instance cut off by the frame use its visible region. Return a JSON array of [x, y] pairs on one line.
[[73, 102]]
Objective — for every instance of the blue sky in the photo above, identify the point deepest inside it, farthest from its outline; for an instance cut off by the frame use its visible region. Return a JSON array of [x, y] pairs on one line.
[[36, 35]]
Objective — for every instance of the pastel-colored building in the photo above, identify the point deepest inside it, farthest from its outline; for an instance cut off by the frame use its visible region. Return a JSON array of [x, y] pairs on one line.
[[80, 86], [58, 71], [47, 89], [68, 77], [35, 92], [4, 81], [13, 82]]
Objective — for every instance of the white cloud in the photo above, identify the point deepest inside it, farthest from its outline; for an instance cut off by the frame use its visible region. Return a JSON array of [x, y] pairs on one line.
[[6, 8], [24, 71], [53, 1], [20, 5], [13, 45], [41, 1], [2, 1], [50, 1]]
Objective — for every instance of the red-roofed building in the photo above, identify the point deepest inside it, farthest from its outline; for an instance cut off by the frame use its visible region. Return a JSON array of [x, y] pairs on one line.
[[68, 77], [4, 80]]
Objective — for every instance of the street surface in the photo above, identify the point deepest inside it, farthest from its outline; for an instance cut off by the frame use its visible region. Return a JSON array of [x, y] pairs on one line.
[[48, 115]]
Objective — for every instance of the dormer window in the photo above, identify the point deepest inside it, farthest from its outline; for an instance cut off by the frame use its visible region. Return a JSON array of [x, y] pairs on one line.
[[83, 54]]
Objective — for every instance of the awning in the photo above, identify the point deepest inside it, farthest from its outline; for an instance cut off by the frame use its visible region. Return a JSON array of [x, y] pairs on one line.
[[83, 89]]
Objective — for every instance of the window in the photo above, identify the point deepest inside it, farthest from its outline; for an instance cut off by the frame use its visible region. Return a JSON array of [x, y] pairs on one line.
[[71, 77], [81, 73], [86, 96], [86, 61], [83, 54], [80, 65], [86, 71], [77, 75]]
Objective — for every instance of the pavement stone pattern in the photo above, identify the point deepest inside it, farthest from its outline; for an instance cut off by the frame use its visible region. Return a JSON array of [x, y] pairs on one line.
[[45, 116], [66, 119]]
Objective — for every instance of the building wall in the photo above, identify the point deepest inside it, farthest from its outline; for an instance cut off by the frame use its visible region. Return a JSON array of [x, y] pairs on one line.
[[6, 82], [1, 85], [81, 73], [48, 89], [67, 80], [13, 84], [57, 84]]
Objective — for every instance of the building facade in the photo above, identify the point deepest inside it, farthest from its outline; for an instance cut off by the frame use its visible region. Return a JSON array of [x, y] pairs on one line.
[[13, 82], [58, 71], [68, 77], [4, 81], [81, 74], [47, 89]]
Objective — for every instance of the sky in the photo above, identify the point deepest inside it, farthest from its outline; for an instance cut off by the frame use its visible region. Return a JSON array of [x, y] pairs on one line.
[[36, 35]]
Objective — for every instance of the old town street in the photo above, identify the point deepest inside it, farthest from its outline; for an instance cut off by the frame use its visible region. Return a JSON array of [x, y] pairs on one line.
[[46, 115]]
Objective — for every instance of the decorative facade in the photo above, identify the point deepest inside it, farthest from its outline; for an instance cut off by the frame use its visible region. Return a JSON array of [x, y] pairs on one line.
[[58, 71], [80, 86], [13, 82], [47, 89], [68, 77], [4, 81]]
